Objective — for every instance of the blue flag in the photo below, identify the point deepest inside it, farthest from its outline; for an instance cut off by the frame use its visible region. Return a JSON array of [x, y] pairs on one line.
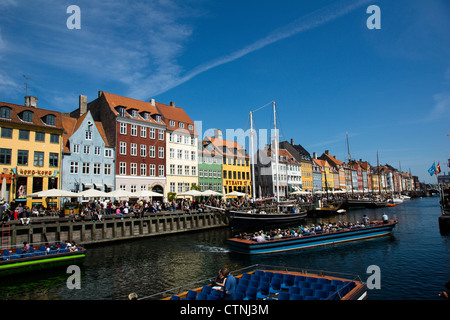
[[432, 169]]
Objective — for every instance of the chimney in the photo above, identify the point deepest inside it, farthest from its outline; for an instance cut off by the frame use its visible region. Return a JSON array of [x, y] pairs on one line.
[[172, 104], [100, 93], [82, 104], [218, 134], [31, 101], [292, 141], [152, 101], [315, 155], [327, 152]]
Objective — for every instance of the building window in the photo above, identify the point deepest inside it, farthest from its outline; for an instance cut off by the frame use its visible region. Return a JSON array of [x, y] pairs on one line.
[[152, 133], [161, 170], [179, 154], [161, 152], [143, 150], [122, 168], [86, 168], [172, 187], [186, 155], [50, 119], [161, 134], [24, 134], [5, 156], [6, 133], [172, 169], [186, 170], [97, 151], [123, 148], [180, 170], [151, 151], [97, 168], [181, 125], [88, 135], [172, 123], [76, 148], [108, 153], [194, 171], [74, 167], [172, 153], [133, 188], [107, 167], [22, 157], [53, 159], [133, 169], [86, 149], [143, 132], [193, 155], [39, 136], [133, 149], [38, 159], [54, 138], [123, 128], [5, 113], [27, 116], [143, 171], [152, 170], [134, 130], [180, 187]]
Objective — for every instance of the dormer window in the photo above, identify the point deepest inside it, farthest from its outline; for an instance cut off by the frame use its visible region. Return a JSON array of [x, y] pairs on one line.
[[134, 113], [146, 116], [172, 123], [27, 116], [121, 111], [49, 119], [191, 127], [5, 113], [158, 118], [181, 125]]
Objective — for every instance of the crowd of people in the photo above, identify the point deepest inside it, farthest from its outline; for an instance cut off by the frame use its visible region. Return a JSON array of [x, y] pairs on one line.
[[305, 230]]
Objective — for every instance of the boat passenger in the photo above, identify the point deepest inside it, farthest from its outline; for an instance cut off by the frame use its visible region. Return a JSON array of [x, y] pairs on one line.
[[26, 247], [228, 283], [365, 219], [385, 218]]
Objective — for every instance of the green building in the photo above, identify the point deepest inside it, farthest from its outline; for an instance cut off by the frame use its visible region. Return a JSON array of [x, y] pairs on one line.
[[209, 168]]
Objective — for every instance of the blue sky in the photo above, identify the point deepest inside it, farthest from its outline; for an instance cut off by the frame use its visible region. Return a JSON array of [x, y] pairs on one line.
[[388, 88]]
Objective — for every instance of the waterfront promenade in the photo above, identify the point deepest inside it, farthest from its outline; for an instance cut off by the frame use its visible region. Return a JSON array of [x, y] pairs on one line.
[[51, 229]]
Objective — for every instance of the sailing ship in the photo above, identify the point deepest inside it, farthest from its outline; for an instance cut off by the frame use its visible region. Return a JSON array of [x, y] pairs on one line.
[[277, 213]]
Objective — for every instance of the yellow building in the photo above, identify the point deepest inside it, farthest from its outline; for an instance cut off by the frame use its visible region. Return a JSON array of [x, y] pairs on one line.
[[236, 174], [301, 155], [30, 152]]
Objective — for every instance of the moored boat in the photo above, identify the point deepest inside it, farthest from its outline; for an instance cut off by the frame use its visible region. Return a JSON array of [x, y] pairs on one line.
[[257, 218], [262, 282], [250, 246], [39, 258]]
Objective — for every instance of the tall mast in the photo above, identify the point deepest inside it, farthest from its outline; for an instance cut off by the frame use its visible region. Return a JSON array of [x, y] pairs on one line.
[[253, 156], [276, 151]]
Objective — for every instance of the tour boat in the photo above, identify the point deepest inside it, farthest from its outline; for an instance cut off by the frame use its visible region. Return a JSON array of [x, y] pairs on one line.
[[261, 282], [38, 258], [374, 229]]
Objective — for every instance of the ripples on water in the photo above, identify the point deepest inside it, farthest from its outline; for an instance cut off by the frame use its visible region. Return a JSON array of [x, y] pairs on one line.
[[414, 261]]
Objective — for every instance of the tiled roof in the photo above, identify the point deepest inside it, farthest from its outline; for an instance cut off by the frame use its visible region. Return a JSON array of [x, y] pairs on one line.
[[178, 115], [230, 145], [38, 116], [115, 100]]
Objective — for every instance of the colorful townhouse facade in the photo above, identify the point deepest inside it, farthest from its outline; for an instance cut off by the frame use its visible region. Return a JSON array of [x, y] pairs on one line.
[[182, 148], [88, 160], [304, 158], [30, 152], [137, 131], [209, 167]]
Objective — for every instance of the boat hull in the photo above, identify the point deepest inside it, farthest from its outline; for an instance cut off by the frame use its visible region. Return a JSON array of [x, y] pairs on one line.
[[240, 220], [296, 243], [37, 263]]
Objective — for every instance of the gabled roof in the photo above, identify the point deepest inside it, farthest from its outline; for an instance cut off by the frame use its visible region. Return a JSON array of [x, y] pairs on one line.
[[38, 115], [297, 151], [71, 125]]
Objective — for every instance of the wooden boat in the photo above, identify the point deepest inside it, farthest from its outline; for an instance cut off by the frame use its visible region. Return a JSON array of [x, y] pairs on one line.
[[39, 258], [257, 218], [261, 282], [375, 229], [327, 210]]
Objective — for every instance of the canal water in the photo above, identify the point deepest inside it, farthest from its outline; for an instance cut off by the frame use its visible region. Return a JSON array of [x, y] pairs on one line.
[[414, 261]]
